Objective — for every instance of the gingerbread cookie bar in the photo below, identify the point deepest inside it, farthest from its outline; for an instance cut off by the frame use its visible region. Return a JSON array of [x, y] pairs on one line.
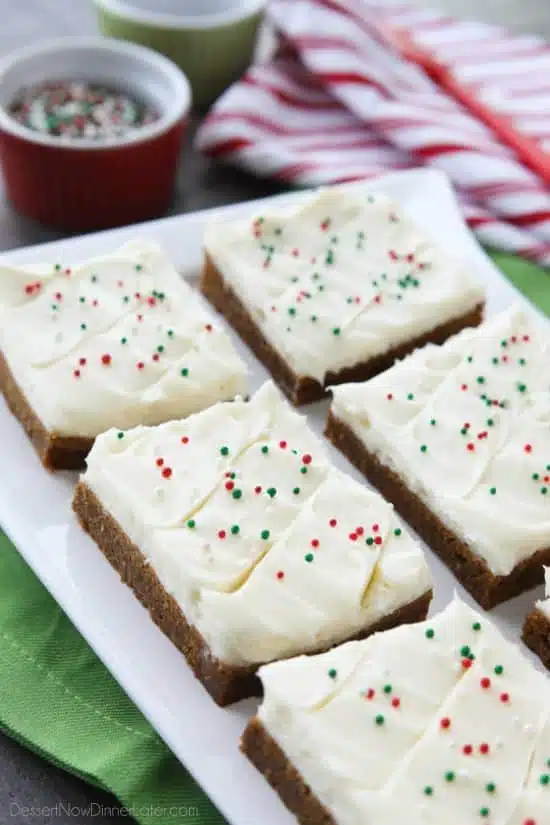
[[118, 341], [336, 289], [536, 630], [458, 438], [242, 541], [439, 723]]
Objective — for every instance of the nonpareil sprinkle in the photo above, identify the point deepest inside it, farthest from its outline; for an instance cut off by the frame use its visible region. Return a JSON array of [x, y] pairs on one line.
[[70, 109]]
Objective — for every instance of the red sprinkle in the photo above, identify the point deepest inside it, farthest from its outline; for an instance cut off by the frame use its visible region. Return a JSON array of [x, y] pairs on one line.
[[353, 536], [208, 327], [315, 542], [167, 472], [140, 317], [106, 359], [525, 337], [505, 698], [82, 362], [389, 396], [140, 365], [393, 254], [375, 528], [445, 723], [95, 303], [464, 387], [359, 531], [156, 356], [378, 540], [257, 490], [160, 462], [484, 748], [151, 301], [466, 664], [528, 448], [58, 296], [485, 683], [282, 445], [184, 439], [467, 750], [370, 694], [229, 485], [333, 522], [306, 459], [76, 373], [221, 534], [470, 447], [295, 253], [280, 574], [396, 702]]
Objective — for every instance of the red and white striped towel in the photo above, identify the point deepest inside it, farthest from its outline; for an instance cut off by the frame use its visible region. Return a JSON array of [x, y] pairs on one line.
[[337, 103]]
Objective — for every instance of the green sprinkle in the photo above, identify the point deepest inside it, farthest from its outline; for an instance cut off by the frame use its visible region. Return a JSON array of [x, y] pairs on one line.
[[480, 379], [535, 476], [333, 673], [82, 299], [423, 448], [265, 449], [493, 491], [271, 492], [93, 279], [313, 318], [430, 633], [397, 531], [237, 493], [499, 670], [138, 267], [170, 333], [83, 326], [494, 360], [463, 430], [57, 267], [450, 776], [369, 541], [125, 300], [265, 534], [410, 397], [490, 422], [160, 348], [476, 626], [428, 790], [191, 523], [278, 231], [433, 422], [308, 557], [291, 311], [54, 307], [224, 450], [465, 650], [522, 387], [379, 720], [544, 490], [303, 470], [388, 688], [336, 331], [504, 343], [490, 787], [185, 372], [522, 361], [296, 491], [120, 435], [484, 812], [235, 529]]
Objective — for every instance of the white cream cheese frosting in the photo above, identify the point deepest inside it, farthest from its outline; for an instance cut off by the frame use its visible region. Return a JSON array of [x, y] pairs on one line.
[[267, 548], [467, 426], [118, 341], [439, 723], [340, 279]]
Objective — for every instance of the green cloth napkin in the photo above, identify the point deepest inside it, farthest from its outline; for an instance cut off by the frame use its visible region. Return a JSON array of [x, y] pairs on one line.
[[58, 699]]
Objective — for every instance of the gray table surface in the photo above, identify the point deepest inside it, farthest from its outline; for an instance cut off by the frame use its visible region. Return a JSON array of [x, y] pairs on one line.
[[26, 781]]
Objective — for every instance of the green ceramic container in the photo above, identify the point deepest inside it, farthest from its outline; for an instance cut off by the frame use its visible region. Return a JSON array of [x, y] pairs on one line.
[[212, 41]]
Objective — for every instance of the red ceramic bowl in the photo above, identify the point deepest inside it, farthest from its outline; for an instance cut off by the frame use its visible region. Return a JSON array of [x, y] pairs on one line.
[[79, 184]]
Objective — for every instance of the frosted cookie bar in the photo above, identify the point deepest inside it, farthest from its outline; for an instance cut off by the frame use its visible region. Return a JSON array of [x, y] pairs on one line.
[[335, 289], [458, 438], [243, 542], [536, 630], [117, 341], [439, 723]]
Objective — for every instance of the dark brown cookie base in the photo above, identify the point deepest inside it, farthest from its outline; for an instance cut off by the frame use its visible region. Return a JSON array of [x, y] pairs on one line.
[[536, 635], [472, 571], [266, 755], [225, 683], [56, 452], [302, 389]]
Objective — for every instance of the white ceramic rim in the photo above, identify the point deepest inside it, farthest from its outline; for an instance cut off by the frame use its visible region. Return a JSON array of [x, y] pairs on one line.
[[150, 59], [242, 10]]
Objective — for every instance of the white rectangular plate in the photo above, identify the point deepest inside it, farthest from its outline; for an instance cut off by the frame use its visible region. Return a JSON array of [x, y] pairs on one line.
[[35, 512]]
